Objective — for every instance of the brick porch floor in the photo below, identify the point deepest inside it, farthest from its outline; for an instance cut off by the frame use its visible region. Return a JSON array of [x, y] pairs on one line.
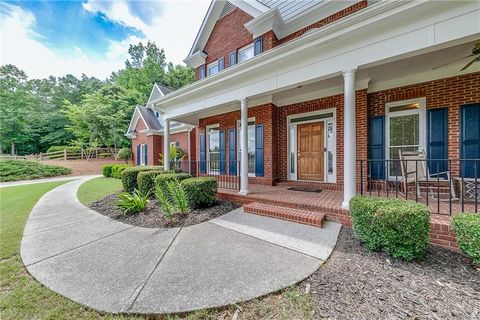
[[329, 203]]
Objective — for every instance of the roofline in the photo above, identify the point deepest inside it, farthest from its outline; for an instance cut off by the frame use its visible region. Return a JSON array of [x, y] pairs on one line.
[[240, 68]]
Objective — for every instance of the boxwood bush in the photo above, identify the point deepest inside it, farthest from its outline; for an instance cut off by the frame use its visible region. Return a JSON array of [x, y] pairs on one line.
[[396, 226], [129, 176], [146, 181], [107, 170], [117, 170], [162, 179], [201, 191], [467, 231]]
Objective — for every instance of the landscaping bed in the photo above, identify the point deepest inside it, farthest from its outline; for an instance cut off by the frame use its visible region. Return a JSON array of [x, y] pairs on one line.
[[357, 284], [153, 217]]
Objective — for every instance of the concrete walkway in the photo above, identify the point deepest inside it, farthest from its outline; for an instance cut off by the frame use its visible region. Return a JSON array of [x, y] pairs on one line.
[[118, 268], [42, 180]]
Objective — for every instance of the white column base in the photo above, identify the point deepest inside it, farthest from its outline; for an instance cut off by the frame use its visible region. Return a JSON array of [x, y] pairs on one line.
[[345, 204], [243, 192]]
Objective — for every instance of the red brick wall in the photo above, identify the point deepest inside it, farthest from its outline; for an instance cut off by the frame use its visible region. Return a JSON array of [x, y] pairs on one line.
[[264, 114], [228, 35], [450, 92]]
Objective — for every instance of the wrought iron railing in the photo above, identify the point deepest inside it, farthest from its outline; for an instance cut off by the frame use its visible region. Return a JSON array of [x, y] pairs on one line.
[[227, 173], [445, 185]]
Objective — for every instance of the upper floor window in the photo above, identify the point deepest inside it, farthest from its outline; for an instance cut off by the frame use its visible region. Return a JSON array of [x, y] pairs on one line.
[[212, 68], [246, 53]]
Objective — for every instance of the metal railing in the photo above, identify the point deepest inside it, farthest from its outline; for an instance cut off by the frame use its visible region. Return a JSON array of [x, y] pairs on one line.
[[227, 173], [444, 185]]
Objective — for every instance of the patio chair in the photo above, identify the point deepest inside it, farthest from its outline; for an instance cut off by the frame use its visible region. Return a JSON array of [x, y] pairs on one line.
[[415, 170]]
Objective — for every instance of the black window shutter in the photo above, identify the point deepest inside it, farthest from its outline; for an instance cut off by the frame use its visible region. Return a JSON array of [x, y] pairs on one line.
[[138, 155], [470, 140], [221, 64], [232, 152], [258, 46], [145, 154], [259, 170], [376, 150], [223, 159], [201, 71], [437, 133], [203, 155], [233, 58]]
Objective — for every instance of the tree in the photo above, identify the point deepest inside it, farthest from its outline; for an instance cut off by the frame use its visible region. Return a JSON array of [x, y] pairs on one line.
[[103, 117], [179, 76]]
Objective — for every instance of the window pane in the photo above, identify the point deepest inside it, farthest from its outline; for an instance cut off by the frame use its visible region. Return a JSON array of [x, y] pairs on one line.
[[245, 54], [214, 140], [250, 146], [213, 70], [404, 130]]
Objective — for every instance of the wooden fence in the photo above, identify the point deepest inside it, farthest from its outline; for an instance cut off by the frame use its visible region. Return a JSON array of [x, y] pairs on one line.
[[65, 154]]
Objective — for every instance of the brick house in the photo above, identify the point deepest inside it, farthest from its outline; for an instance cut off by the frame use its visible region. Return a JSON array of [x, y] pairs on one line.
[[146, 132], [317, 92]]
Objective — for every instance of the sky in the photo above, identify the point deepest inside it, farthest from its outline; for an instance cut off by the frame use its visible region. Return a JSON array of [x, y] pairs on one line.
[[92, 37]]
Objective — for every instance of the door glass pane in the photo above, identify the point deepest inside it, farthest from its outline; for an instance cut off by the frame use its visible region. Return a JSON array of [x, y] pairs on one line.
[[250, 146]]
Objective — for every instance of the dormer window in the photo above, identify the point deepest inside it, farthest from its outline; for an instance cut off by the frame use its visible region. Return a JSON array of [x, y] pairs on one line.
[[246, 53]]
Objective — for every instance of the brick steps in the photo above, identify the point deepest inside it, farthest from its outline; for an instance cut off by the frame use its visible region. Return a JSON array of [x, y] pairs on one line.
[[295, 215]]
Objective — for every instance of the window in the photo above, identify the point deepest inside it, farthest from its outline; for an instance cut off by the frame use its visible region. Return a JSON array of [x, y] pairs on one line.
[[213, 140], [246, 53], [405, 130], [250, 145], [212, 68], [142, 155]]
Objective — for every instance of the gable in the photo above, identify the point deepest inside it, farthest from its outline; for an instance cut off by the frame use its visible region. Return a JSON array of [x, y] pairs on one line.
[[228, 34]]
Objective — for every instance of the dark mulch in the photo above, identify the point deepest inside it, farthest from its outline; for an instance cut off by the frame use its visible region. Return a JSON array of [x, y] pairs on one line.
[[153, 216], [356, 284]]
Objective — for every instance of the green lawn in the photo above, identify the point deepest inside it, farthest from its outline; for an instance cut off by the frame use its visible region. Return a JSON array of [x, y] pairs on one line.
[[98, 188], [21, 297], [13, 170]]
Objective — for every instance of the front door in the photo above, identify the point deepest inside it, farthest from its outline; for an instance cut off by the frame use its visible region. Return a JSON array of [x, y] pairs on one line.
[[310, 153]]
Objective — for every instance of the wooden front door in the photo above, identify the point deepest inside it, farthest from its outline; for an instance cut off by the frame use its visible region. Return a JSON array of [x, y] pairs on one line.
[[310, 151]]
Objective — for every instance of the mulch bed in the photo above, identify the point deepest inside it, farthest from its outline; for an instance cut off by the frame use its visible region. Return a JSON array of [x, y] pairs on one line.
[[153, 216], [357, 284]]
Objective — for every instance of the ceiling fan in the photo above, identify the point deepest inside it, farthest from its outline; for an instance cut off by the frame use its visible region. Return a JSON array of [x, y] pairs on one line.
[[475, 54]]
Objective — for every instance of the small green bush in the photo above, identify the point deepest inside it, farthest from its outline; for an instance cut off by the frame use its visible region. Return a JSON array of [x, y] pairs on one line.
[[132, 203], [129, 176], [467, 231], [61, 148], [146, 181], [125, 154], [107, 170], [396, 226], [163, 178], [201, 191], [117, 170], [13, 170]]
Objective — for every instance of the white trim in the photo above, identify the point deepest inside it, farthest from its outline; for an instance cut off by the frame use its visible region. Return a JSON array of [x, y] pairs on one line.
[[422, 122], [294, 176]]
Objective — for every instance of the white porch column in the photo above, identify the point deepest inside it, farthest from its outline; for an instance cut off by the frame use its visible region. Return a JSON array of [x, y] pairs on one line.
[[166, 145], [349, 138], [243, 147]]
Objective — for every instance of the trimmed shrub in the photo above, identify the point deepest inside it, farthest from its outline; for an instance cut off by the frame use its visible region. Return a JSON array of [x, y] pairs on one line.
[[467, 231], [107, 170], [146, 181], [129, 176], [13, 170], [117, 170], [125, 154], [163, 178], [61, 148], [396, 226], [201, 191]]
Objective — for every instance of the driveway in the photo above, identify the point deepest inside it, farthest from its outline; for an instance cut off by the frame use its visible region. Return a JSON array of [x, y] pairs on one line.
[[115, 267]]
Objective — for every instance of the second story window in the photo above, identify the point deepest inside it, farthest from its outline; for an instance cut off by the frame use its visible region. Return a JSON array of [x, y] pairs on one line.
[[212, 68], [246, 53]]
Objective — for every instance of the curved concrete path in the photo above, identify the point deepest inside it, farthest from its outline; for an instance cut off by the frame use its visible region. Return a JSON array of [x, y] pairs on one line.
[[118, 268]]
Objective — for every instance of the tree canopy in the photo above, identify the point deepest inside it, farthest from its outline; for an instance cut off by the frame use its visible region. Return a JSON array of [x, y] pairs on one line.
[[39, 113]]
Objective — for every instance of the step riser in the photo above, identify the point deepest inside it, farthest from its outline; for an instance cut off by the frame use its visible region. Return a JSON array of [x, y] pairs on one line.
[[284, 213]]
